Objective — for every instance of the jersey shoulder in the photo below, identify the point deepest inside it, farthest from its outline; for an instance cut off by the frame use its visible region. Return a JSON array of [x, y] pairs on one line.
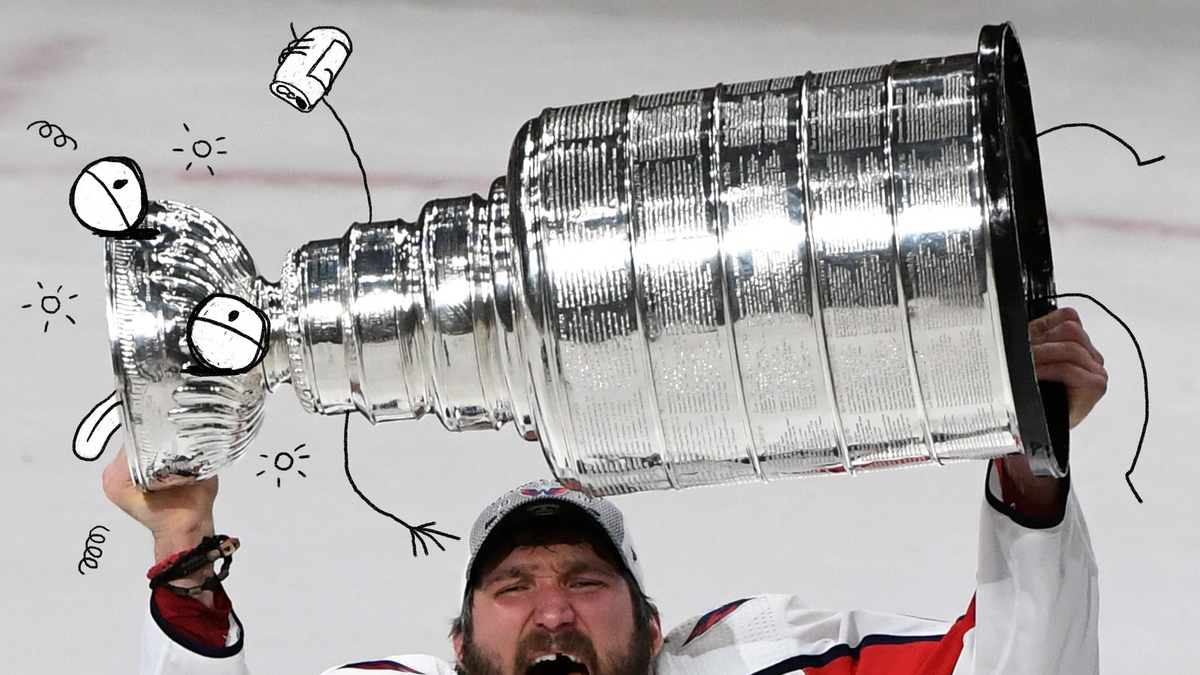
[[771, 631], [421, 664]]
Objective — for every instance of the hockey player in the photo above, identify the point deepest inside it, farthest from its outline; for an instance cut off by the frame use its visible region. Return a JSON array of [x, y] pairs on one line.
[[553, 585]]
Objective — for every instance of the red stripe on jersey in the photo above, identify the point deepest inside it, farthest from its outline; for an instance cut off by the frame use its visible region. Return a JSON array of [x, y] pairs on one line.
[[194, 619], [923, 657], [713, 618]]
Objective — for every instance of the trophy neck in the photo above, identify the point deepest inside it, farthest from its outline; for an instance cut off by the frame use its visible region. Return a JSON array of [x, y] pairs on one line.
[[276, 364], [397, 319]]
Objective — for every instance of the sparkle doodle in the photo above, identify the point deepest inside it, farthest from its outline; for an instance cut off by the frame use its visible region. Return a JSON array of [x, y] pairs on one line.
[[201, 150], [52, 304]]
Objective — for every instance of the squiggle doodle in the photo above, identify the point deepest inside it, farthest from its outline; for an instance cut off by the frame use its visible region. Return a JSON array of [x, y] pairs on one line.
[[92, 551], [47, 130], [1145, 383], [94, 430]]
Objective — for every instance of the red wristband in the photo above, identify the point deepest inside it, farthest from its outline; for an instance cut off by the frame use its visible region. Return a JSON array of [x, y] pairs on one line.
[[165, 563]]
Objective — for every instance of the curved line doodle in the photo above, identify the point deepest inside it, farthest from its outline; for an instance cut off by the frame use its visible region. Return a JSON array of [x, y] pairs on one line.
[[47, 130], [1097, 127], [370, 216], [92, 550], [1145, 384], [94, 430], [418, 531]]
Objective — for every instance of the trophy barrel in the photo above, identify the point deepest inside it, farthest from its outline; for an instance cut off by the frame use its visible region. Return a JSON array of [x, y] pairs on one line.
[[805, 275]]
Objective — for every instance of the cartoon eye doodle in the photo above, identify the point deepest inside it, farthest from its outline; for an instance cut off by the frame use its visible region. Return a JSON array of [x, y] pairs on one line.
[[227, 335], [109, 198]]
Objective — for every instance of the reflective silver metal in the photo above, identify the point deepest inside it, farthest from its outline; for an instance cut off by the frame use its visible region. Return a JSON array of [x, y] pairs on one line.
[[815, 274]]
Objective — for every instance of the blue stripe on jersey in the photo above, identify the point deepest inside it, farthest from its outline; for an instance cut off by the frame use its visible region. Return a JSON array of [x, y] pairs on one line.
[[380, 665], [792, 664]]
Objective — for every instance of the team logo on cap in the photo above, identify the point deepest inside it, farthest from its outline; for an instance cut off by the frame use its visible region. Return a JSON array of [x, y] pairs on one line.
[[543, 492]]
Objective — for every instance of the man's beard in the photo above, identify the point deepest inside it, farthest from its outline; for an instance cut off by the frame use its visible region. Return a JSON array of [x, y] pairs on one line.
[[635, 661]]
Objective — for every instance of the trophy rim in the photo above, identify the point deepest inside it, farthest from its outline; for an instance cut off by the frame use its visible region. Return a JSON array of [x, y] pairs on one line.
[[120, 380], [1019, 232]]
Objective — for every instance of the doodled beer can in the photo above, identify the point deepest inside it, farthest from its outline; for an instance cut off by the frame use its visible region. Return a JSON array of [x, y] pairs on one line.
[[308, 66]]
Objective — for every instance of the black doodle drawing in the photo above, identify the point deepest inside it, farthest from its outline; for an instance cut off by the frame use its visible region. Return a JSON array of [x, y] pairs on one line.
[[94, 430], [418, 532], [363, 171], [1137, 454], [201, 149], [46, 130], [284, 461], [109, 198], [227, 335], [1089, 125], [51, 304], [324, 43], [92, 550], [308, 66]]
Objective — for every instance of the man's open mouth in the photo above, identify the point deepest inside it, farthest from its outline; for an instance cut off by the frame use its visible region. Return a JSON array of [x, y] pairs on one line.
[[557, 664]]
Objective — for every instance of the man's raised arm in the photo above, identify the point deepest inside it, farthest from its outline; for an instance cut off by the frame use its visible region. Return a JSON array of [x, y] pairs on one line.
[[1062, 352], [186, 634], [1036, 605]]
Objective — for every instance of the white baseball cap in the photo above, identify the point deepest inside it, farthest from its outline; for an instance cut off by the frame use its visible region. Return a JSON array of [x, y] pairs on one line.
[[548, 499]]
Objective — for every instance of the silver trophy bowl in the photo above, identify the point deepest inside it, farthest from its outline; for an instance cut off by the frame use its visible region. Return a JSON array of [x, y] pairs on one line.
[[826, 273]]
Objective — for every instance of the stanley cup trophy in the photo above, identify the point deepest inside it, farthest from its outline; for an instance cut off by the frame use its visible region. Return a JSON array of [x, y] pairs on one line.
[[825, 273]]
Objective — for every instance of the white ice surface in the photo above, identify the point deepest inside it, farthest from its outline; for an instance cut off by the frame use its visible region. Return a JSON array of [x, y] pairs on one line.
[[433, 94]]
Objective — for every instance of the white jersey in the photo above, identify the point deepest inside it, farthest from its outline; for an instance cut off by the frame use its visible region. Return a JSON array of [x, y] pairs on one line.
[[1034, 611]]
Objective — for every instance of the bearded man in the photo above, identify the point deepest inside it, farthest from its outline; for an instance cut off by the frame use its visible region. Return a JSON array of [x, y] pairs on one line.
[[554, 587]]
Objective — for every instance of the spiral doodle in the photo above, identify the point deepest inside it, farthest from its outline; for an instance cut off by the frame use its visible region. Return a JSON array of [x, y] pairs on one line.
[[92, 551], [46, 130]]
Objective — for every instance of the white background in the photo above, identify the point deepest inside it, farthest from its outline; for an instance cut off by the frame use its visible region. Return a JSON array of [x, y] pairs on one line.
[[433, 94]]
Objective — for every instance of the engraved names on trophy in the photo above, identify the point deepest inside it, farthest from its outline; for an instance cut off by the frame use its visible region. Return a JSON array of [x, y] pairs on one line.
[[764, 279]]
